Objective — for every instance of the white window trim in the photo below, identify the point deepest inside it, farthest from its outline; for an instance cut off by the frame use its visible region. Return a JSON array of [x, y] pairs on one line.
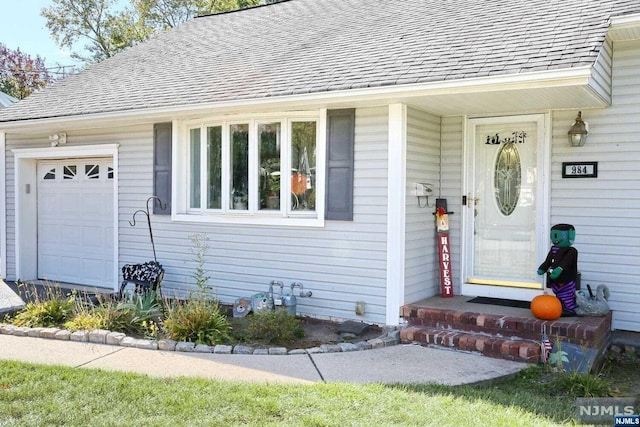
[[180, 176]]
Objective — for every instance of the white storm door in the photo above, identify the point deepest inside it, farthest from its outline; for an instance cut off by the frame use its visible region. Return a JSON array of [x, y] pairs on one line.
[[75, 221], [504, 212]]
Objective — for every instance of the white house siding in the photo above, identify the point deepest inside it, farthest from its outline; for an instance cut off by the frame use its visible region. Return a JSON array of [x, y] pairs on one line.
[[452, 130], [605, 210], [423, 165], [341, 263], [601, 80]]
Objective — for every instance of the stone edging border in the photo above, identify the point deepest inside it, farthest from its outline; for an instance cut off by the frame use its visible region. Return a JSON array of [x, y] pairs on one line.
[[101, 336]]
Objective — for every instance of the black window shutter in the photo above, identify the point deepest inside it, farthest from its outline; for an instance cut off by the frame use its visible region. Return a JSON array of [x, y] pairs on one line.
[[340, 142], [162, 167]]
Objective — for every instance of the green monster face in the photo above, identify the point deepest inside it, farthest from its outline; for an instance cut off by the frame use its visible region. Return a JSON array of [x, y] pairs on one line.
[[563, 235]]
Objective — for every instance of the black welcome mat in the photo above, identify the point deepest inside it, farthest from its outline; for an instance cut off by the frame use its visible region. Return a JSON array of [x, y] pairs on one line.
[[501, 301]]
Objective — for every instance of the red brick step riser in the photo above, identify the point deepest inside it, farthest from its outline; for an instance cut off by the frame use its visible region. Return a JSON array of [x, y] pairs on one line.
[[587, 332], [497, 347]]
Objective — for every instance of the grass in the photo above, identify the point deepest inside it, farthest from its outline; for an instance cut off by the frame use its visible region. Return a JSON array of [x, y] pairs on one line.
[[35, 395]]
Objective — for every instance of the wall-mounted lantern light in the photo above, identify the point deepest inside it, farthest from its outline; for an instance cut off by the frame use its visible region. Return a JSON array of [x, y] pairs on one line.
[[578, 132]]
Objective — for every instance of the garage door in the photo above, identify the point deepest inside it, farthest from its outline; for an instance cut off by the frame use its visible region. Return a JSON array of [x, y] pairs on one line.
[[75, 221]]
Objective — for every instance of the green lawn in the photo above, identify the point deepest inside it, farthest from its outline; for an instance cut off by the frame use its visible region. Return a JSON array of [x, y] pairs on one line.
[[35, 395]]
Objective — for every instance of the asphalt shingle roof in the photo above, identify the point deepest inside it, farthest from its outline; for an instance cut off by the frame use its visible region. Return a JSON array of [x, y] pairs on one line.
[[6, 100], [314, 46]]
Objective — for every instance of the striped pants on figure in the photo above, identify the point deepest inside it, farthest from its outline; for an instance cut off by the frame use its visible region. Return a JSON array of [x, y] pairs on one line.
[[566, 293]]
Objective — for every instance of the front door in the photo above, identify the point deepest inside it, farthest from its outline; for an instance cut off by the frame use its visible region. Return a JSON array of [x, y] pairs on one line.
[[504, 212]]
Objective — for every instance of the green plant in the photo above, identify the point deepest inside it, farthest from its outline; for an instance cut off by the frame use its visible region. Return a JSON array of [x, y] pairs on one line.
[[199, 249], [86, 321], [574, 384], [270, 327], [197, 320], [134, 315], [47, 310]]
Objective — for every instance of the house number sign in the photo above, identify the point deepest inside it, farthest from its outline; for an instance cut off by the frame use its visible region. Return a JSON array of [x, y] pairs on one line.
[[579, 169]]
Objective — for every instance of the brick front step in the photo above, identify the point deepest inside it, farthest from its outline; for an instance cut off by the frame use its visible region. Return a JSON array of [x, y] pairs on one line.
[[498, 347], [588, 331], [513, 336]]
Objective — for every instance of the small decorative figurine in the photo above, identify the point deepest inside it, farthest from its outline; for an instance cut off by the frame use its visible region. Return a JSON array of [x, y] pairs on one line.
[[593, 305], [562, 265]]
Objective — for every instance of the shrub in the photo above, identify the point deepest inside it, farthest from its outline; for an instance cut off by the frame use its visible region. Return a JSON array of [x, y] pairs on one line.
[[270, 327], [52, 309], [86, 321], [198, 321], [133, 315]]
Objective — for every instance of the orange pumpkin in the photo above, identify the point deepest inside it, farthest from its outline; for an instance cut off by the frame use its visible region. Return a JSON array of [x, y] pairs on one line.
[[546, 307]]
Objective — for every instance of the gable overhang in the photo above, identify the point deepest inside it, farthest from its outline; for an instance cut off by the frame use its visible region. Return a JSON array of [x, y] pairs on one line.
[[625, 28], [508, 94]]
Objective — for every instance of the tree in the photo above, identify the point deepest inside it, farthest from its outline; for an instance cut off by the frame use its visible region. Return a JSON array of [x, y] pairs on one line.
[[20, 74], [91, 21], [107, 30]]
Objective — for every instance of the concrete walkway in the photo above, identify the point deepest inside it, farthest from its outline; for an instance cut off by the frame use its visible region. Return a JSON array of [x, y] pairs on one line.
[[8, 299], [407, 364]]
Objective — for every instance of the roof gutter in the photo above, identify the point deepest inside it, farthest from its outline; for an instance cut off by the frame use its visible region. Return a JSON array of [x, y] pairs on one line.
[[625, 28], [385, 94]]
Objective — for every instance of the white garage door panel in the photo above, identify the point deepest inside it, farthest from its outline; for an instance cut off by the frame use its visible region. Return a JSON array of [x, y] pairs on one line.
[[75, 221]]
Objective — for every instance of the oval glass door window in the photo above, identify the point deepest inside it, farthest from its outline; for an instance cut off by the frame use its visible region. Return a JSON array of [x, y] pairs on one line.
[[507, 178]]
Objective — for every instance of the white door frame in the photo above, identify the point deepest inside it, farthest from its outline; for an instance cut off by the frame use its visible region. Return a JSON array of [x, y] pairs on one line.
[[542, 197], [26, 211]]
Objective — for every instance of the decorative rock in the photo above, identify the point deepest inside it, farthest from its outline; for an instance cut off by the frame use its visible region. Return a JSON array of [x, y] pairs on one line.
[[364, 345], [347, 346], [63, 335], [21, 331], [242, 349], [114, 338], [6, 329], [48, 332], [330, 348], [34, 332], [352, 327], [185, 346], [376, 343], [202, 348], [167, 345], [101, 336], [389, 341], [347, 336], [278, 351], [223, 349], [146, 344], [98, 336], [395, 334], [79, 336], [128, 342]]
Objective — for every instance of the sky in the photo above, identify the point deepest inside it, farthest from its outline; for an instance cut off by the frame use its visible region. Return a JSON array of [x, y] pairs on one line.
[[21, 26]]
